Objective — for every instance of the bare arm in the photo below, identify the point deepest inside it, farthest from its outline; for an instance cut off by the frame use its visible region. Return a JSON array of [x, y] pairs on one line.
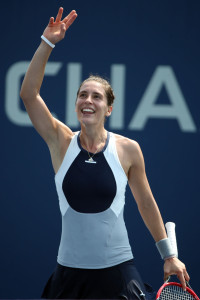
[[144, 198], [43, 121], [149, 210]]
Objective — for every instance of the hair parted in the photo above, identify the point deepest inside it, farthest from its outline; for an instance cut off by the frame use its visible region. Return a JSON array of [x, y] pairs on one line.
[[106, 85]]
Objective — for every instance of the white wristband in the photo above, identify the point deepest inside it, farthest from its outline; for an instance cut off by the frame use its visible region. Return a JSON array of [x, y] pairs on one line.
[[47, 41], [165, 249]]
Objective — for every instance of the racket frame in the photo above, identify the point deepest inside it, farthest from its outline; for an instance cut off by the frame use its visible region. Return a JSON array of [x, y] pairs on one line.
[[188, 289]]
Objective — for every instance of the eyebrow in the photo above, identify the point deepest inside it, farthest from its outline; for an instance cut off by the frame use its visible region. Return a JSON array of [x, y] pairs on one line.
[[95, 93]]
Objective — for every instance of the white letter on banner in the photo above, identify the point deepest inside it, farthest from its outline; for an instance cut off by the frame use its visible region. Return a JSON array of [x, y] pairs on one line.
[[13, 82], [118, 73], [178, 109], [74, 75]]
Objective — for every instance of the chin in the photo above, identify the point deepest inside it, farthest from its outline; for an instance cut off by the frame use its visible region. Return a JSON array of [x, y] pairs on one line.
[[89, 122]]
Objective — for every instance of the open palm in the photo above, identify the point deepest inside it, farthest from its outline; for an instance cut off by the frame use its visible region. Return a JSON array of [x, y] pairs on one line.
[[55, 30]]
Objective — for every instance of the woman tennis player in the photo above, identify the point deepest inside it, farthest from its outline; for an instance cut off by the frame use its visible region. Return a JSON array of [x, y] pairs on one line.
[[92, 168]]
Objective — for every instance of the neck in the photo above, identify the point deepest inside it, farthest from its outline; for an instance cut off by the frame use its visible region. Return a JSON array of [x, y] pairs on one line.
[[92, 139]]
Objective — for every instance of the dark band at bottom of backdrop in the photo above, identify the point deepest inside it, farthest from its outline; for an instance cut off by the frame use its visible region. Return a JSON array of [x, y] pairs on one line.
[[118, 282]]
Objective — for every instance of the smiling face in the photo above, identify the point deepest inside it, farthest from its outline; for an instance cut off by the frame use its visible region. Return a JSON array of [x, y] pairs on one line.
[[91, 104]]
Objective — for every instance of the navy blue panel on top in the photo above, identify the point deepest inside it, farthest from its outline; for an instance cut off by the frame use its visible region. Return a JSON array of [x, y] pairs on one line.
[[89, 187]]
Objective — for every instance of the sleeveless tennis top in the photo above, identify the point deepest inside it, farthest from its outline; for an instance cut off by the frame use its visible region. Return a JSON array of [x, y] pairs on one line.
[[91, 199]]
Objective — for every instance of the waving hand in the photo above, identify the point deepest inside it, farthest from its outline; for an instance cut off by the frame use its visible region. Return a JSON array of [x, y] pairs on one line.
[[46, 125], [55, 30]]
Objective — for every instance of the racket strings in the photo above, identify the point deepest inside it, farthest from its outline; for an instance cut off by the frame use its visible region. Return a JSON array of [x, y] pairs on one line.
[[175, 293]]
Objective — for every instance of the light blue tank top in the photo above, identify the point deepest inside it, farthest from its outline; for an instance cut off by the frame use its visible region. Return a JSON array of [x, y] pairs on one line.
[[91, 198]]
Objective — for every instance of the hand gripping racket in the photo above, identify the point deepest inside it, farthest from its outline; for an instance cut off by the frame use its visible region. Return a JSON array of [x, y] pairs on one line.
[[174, 290]]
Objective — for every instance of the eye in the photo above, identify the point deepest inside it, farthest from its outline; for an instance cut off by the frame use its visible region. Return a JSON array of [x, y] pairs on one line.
[[97, 96], [82, 95]]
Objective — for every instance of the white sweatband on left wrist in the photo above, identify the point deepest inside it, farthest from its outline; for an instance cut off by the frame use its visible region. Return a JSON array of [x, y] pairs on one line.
[[47, 41], [165, 248]]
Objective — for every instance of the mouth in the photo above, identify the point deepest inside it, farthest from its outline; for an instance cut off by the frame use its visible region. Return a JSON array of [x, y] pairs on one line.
[[87, 111]]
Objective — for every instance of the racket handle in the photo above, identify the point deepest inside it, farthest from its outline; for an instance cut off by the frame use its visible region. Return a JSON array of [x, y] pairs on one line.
[[170, 227]]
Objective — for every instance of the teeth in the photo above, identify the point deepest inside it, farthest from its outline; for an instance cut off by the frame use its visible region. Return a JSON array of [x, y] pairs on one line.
[[88, 110]]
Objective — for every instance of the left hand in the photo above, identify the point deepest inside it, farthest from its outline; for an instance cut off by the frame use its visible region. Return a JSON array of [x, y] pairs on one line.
[[173, 266]]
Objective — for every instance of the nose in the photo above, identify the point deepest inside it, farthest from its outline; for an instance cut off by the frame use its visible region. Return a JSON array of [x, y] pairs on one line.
[[88, 99]]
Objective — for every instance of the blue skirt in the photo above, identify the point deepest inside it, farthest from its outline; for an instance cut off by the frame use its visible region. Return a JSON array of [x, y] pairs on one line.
[[118, 282]]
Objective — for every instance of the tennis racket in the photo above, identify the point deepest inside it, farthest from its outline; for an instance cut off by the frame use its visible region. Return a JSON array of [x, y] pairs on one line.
[[174, 290], [171, 233]]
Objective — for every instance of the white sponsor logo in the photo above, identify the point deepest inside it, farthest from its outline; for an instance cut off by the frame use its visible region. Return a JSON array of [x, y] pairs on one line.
[[163, 76]]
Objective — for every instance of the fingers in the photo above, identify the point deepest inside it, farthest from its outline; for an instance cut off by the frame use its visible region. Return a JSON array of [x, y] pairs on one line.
[[59, 15], [51, 21], [71, 20], [68, 20], [55, 31], [176, 267], [181, 274], [187, 277], [181, 277], [166, 276], [63, 29]]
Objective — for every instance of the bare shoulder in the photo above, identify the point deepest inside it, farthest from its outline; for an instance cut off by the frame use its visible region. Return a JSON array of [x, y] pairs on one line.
[[58, 147], [63, 128], [128, 145], [129, 152], [64, 136]]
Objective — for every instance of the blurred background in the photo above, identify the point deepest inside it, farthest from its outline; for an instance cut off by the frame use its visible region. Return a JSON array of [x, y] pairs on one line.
[[149, 50]]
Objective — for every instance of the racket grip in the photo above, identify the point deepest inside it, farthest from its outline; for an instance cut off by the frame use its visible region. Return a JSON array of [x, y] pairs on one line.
[[170, 227]]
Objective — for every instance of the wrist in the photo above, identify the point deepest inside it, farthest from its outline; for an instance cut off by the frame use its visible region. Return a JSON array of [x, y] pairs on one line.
[[47, 41], [165, 249], [171, 258]]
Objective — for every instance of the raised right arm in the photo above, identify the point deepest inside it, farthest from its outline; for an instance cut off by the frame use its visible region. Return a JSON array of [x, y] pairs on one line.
[[46, 125]]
